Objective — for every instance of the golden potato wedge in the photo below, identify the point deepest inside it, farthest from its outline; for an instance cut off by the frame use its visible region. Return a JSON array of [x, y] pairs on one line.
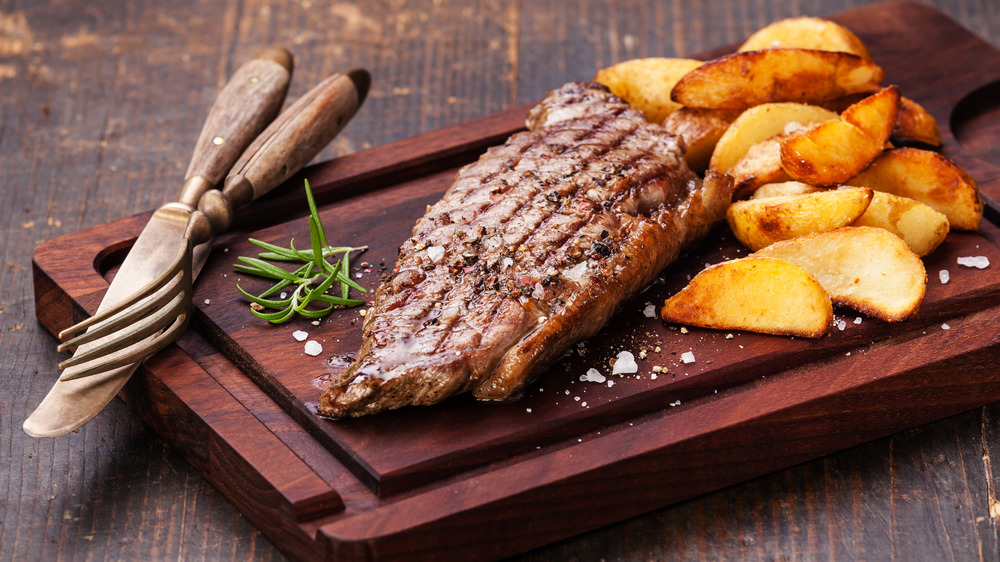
[[740, 295], [921, 227], [700, 129], [758, 223], [646, 83], [760, 165], [806, 33], [763, 122], [930, 178], [875, 114], [750, 78], [784, 188], [867, 269], [915, 124], [829, 153]]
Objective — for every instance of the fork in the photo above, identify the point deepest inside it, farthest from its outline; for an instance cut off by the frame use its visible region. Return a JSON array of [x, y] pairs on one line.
[[157, 314]]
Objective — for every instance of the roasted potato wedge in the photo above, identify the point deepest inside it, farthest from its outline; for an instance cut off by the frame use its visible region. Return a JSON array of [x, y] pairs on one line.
[[763, 122], [921, 227], [867, 269], [784, 188], [701, 130], [915, 124], [835, 151], [875, 114], [930, 178], [758, 223], [806, 33], [750, 78], [740, 295], [828, 154], [760, 165], [646, 83]]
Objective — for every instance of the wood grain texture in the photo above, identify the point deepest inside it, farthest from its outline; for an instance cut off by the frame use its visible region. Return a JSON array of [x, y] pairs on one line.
[[101, 107]]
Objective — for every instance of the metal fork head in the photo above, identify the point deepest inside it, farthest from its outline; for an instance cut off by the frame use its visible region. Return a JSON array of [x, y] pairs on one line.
[[135, 328]]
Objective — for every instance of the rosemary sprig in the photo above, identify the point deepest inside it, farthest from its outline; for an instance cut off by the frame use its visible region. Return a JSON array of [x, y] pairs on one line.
[[311, 280]]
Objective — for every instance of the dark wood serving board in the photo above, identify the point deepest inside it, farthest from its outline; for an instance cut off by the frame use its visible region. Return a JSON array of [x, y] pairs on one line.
[[469, 480]]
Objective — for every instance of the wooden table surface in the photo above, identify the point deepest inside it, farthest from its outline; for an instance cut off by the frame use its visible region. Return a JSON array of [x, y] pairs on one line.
[[100, 104]]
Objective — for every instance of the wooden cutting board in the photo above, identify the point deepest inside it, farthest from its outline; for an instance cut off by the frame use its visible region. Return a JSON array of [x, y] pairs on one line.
[[484, 480]]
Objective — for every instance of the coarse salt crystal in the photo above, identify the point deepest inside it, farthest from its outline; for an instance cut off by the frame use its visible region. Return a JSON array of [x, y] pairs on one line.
[[945, 327], [979, 262], [358, 275], [944, 276], [857, 320], [841, 325], [610, 383], [435, 253], [300, 335], [313, 348], [650, 310], [624, 364], [593, 375], [507, 262], [208, 301], [687, 357]]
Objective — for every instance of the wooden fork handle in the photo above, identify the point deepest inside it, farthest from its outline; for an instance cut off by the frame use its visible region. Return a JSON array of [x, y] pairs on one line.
[[245, 106]]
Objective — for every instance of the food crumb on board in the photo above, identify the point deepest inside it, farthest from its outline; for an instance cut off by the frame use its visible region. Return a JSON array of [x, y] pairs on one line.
[[313, 348]]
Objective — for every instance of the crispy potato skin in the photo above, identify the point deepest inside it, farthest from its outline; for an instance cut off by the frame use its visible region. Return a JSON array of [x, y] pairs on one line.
[[807, 33], [828, 154], [921, 227], [930, 178], [758, 223], [760, 123], [700, 129], [745, 79], [740, 295], [867, 269], [646, 83]]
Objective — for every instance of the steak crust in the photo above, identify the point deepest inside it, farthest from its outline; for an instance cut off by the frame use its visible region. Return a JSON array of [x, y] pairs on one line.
[[530, 250]]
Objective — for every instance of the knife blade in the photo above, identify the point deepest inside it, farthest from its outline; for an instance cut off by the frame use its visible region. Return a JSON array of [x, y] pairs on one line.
[[248, 102]]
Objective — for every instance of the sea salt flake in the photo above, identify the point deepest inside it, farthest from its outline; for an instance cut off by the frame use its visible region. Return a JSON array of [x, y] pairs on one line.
[[649, 311], [945, 327], [300, 335], [610, 383], [435, 253], [944, 276], [857, 320], [841, 325], [624, 364], [313, 348], [687, 357], [593, 375], [208, 301], [979, 262]]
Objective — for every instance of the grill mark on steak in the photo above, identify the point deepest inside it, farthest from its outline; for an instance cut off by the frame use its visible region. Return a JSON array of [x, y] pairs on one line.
[[543, 237]]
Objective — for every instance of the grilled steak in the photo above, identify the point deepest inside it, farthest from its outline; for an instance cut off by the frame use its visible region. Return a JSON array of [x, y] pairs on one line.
[[531, 249]]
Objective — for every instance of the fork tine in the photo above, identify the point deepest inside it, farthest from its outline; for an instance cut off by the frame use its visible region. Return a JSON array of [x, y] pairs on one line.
[[141, 349], [152, 287], [128, 316], [167, 316]]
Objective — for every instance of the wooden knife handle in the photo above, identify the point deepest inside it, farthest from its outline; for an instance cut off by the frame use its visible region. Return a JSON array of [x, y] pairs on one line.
[[245, 106], [297, 136]]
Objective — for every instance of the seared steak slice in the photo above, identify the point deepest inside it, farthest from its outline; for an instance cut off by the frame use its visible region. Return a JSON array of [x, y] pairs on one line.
[[532, 248]]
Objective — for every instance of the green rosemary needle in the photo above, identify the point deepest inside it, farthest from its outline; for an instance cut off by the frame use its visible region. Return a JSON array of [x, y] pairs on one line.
[[311, 281]]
